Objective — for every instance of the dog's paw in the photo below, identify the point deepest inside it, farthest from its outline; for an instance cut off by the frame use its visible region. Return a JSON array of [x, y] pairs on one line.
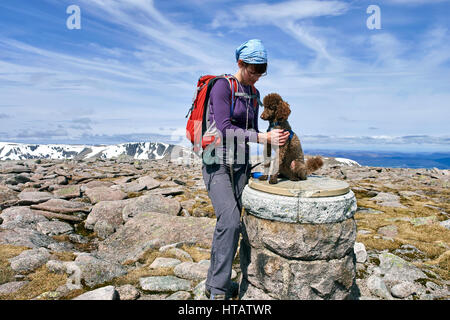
[[273, 180], [263, 177]]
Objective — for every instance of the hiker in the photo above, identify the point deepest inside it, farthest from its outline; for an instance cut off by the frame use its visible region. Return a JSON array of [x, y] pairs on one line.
[[226, 180]]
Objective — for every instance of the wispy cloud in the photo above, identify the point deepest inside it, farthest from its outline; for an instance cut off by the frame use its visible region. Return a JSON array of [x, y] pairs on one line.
[[264, 13], [414, 2], [377, 140]]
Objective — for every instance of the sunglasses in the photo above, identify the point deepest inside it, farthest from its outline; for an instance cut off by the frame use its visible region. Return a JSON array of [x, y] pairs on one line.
[[255, 74]]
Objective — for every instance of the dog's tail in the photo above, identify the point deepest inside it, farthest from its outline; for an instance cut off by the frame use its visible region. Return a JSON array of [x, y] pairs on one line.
[[313, 164]]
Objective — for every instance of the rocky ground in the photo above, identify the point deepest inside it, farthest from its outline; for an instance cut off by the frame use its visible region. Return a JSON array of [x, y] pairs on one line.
[[134, 229]]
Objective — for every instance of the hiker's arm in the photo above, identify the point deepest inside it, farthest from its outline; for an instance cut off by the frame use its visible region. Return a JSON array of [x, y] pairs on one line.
[[221, 101]]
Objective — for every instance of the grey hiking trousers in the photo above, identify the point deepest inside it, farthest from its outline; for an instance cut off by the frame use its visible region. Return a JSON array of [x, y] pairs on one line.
[[227, 206]]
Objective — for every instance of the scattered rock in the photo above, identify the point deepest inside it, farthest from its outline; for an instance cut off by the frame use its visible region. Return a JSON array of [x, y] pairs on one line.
[[105, 293], [161, 262], [397, 270], [106, 217], [95, 271], [14, 169], [445, 224], [128, 292], [70, 192], [191, 271], [21, 217], [60, 216], [61, 246], [11, 287], [410, 253], [33, 197], [360, 252], [7, 195], [377, 287], [390, 231], [403, 289], [98, 184], [368, 211], [77, 238], [420, 221], [177, 253], [98, 194], [199, 291], [164, 284], [167, 191], [56, 266], [133, 187], [180, 295], [25, 237], [150, 230], [54, 228], [388, 200], [150, 203], [149, 182], [62, 206], [29, 260]]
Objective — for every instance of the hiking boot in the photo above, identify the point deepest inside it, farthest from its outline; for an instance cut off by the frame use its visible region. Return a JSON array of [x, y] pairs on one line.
[[232, 292], [219, 296]]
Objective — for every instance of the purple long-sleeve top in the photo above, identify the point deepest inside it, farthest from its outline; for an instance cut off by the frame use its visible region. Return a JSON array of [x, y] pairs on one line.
[[220, 107]]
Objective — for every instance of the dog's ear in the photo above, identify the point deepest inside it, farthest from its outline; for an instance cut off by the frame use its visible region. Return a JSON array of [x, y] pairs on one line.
[[283, 111]]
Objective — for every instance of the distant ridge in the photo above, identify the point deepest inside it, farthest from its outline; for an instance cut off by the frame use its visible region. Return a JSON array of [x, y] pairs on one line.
[[135, 150]]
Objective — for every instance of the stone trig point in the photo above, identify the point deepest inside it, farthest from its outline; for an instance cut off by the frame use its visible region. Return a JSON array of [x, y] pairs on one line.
[[298, 240]]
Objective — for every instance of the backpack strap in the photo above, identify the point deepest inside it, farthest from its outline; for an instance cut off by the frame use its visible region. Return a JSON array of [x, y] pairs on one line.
[[257, 101], [233, 87]]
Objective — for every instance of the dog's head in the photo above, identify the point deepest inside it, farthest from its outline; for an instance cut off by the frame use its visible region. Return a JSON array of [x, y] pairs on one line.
[[275, 108]]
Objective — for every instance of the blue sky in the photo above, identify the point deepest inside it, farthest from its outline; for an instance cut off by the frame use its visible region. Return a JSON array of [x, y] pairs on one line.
[[129, 73]]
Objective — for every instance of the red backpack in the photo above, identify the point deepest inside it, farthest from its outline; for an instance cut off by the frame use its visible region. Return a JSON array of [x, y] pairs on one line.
[[198, 122]]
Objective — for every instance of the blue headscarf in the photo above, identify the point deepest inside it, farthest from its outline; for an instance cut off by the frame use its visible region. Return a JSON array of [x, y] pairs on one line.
[[252, 52]]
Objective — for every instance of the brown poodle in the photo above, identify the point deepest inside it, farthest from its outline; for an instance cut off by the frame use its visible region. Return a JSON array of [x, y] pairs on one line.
[[289, 158]]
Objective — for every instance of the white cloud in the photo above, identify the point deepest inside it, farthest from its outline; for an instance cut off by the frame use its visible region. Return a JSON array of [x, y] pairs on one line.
[[263, 13], [413, 2]]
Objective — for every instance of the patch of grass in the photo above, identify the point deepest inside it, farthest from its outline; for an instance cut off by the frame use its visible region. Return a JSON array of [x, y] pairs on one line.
[[196, 254], [146, 259], [442, 264], [379, 244], [432, 239], [7, 252], [63, 256], [41, 280], [131, 195], [134, 275], [74, 293]]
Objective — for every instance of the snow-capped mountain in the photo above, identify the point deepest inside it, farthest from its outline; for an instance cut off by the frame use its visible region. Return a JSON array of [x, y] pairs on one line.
[[348, 162], [136, 150]]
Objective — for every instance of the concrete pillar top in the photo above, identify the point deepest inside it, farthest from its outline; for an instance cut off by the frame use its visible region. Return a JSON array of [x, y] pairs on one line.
[[315, 200], [313, 187]]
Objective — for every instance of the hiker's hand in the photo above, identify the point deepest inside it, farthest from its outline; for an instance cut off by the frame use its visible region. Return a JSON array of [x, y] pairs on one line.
[[276, 137]]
